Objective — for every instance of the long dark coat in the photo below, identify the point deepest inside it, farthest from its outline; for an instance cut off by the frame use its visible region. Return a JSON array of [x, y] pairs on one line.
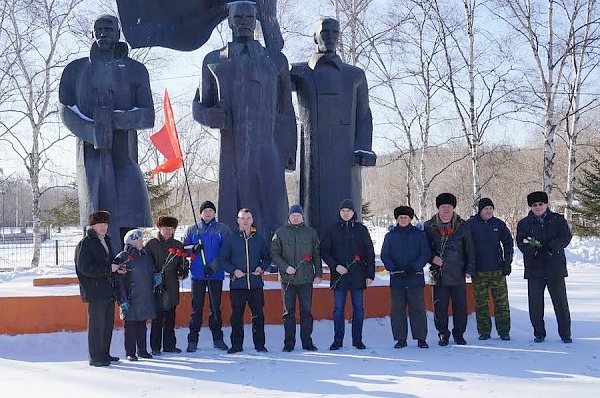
[[108, 175], [554, 234], [158, 249], [333, 102], [339, 245], [93, 268], [252, 84], [458, 251], [137, 285]]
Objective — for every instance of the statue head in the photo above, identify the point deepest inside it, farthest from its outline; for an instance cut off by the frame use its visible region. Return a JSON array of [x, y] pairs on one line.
[[242, 19], [327, 33], [106, 32]]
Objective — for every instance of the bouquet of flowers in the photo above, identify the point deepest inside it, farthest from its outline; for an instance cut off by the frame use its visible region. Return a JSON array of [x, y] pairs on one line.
[[435, 271]]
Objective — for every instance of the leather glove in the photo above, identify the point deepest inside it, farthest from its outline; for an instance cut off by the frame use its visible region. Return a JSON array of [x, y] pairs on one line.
[[157, 280], [208, 271], [506, 269]]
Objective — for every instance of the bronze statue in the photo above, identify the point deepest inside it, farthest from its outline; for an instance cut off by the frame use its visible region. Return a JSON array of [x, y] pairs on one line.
[[336, 129], [104, 99], [246, 93]]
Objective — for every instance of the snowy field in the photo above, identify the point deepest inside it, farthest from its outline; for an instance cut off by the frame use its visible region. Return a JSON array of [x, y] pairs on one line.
[[55, 365]]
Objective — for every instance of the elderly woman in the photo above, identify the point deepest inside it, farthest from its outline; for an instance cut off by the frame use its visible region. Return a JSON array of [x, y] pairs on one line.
[[136, 293]]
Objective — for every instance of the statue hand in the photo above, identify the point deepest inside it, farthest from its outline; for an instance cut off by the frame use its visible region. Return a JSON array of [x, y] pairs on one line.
[[103, 117], [365, 158], [104, 98], [216, 118], [290, 164]]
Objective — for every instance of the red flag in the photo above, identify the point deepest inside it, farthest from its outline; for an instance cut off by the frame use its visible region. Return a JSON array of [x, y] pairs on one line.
[[166, 141]]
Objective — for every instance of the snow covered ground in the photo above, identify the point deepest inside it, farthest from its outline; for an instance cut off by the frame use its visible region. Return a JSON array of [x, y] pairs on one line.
[[55, 365]]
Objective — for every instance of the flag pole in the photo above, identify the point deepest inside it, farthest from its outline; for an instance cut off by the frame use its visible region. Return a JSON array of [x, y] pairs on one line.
[[187, 184]]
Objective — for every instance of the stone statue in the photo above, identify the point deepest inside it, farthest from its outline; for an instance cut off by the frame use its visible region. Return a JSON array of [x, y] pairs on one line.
[[336, 129], [104, 99], [246, 93]]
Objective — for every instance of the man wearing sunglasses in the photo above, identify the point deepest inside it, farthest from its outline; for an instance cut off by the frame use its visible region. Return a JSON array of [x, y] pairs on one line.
[[542, 237]]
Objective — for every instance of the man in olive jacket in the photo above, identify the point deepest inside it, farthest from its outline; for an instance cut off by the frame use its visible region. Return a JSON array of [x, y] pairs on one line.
[[295, 252], [173, 269], [542, 237], [453, 260]]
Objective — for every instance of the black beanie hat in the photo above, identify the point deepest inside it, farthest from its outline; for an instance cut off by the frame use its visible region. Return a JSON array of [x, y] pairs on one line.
[[296, 209], [537, 196], [347, 204], [484, 202], [207, 205], [167, 221], [445, 198], [99, 217], [404, 211]]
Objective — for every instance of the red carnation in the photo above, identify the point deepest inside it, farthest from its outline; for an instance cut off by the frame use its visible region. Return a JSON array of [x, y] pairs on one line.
[[193, 256], [178, 253], [449, 230], [129, 258], [357, 257], [307, 257], [172, 250]]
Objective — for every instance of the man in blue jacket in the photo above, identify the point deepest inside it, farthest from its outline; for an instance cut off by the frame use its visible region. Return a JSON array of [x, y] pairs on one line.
[[207, 238], [542, 237], [245, 256], [404, 253], [493, 257]]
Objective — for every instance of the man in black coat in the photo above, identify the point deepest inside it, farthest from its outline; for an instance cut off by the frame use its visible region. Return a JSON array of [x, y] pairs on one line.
[[453, 259], [542, 237], [347, 249], [93, 264]]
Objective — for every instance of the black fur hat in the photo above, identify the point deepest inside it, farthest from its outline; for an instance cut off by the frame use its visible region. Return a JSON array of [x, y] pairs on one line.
[[404, 211], [537, 196], [167, 221], [445, 198], [99, 217]]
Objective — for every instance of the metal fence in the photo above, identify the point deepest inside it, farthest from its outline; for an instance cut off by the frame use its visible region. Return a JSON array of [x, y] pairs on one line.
[[53, 254]]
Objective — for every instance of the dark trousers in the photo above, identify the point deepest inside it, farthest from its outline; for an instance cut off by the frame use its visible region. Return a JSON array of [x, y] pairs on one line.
[[304, 294], [358, 313], [135, 335], [199, 288], [256, 300], [441, 298], [162, 332], [101, 317], [558, 294], [413, 299]]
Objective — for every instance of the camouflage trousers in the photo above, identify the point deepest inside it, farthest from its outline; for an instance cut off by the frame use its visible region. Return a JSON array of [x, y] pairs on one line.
[[483, 283]]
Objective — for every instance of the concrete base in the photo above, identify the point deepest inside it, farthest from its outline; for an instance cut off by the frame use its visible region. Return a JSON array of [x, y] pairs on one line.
[[23, 315]]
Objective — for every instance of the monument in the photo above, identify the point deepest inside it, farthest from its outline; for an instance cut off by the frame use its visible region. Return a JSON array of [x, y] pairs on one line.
[[104, 99]]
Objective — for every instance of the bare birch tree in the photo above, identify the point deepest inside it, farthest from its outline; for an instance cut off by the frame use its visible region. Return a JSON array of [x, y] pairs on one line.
[[548, 36], [478, 77], [583, 61], [37, 32]]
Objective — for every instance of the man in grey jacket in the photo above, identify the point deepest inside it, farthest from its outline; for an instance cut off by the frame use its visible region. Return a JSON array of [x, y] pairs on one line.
[[295, 251]]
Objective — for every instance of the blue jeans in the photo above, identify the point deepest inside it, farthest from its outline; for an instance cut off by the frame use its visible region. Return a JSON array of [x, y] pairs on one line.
[[358, 313]]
